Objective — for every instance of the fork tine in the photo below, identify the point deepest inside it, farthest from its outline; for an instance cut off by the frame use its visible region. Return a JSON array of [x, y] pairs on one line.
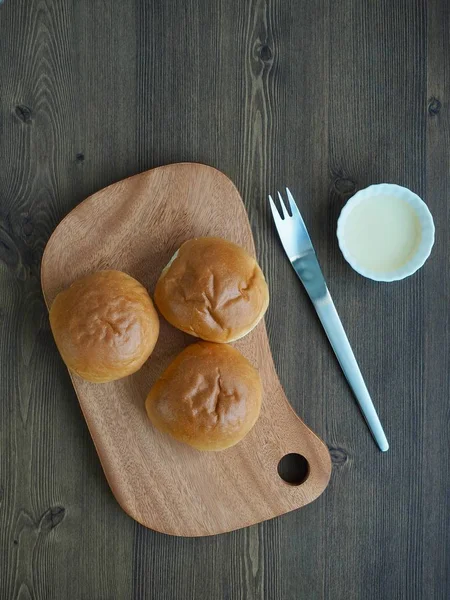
[[275, 212], [286, 215], [295, 212], [292, 204]]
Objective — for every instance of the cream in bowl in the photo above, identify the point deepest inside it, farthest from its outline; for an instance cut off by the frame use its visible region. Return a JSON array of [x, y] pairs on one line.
[[385, 232]]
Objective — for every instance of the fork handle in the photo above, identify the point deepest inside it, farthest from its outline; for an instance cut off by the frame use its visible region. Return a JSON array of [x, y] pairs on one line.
[[338, 339]]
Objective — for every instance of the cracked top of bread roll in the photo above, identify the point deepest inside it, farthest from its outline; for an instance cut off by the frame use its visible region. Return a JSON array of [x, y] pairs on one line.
[[212, 289], [105, 325], [209, 397]]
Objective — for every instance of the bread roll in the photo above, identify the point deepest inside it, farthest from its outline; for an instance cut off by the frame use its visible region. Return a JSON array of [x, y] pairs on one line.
[[212, 289], [105, 326], [209, 397]]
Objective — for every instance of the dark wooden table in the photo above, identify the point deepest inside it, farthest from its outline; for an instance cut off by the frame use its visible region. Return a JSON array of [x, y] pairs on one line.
[[326, 97]]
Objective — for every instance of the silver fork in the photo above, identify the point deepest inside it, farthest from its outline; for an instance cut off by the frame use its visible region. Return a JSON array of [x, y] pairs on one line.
[[297, 245]]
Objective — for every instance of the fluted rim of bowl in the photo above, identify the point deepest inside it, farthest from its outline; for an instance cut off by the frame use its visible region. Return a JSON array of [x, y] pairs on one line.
[[426, 224]]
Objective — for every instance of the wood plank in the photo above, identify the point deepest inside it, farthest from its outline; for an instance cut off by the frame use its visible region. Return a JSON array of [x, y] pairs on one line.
[[377, 134], [436, 368], [58, 519], [243, 117]]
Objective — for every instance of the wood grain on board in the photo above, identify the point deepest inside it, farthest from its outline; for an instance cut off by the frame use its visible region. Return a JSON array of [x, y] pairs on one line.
[[136, 226]]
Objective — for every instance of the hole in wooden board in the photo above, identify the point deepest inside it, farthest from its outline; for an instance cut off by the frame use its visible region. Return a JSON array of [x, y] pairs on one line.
[[293, 468]]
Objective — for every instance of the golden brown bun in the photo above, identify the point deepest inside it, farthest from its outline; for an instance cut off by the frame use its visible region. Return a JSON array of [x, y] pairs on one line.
[[208, 397], [105, 326], [212, 289]]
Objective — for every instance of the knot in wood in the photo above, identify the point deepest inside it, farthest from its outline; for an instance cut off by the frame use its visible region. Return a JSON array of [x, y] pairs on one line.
[[23, 113], [265, 53], [344, 186], [434, 106], [338, 456]]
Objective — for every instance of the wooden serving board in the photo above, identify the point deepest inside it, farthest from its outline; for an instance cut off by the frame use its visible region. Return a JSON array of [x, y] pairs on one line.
[[135, 226]]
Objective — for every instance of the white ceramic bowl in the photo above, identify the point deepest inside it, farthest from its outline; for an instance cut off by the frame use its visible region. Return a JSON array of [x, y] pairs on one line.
[[425, 219]]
